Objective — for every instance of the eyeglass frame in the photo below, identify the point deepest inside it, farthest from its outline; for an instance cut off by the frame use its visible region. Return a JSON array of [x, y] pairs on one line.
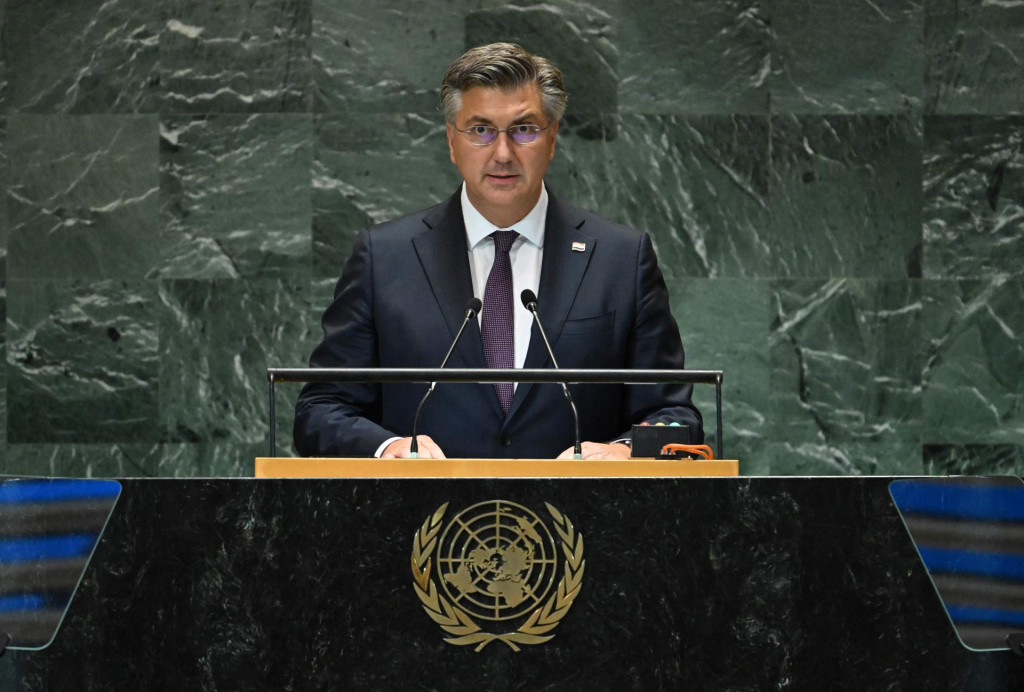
[[499, 131]]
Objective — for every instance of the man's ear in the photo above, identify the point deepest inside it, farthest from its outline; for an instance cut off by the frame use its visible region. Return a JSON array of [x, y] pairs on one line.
[[554, 133], [451, 143]]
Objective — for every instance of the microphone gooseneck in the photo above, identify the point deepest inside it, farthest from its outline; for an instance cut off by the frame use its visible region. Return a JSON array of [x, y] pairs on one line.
[[472, 308], [529, 299]]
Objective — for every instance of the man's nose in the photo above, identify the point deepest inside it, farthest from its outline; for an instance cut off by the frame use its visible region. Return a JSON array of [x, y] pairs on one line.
[[503, 147]]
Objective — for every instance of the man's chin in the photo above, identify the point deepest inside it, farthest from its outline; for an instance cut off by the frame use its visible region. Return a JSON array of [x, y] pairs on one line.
[[503, 206], [503, 196]]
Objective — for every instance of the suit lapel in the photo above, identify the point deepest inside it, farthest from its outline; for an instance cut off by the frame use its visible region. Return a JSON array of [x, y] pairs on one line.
[[561, 274], [442, 253]]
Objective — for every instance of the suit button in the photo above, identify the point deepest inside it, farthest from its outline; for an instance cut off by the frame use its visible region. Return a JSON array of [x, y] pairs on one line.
[[506, 440]]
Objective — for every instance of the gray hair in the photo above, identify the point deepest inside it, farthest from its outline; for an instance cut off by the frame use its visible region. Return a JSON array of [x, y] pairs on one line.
[[504, 66]]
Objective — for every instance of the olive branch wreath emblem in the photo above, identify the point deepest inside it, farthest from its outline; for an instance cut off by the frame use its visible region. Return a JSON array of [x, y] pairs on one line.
[[458, 623]]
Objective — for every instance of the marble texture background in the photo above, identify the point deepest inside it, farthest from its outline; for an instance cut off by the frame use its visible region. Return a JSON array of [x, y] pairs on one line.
[[835, 190]]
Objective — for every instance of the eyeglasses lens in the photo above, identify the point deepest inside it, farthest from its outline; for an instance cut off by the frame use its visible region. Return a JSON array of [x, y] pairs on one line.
[[525, 137], [483, 136]]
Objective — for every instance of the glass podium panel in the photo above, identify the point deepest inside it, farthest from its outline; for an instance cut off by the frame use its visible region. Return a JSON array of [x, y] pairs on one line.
[[49, 529], [969, 532]]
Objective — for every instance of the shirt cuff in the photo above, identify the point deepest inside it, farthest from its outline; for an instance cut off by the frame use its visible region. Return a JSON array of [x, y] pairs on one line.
[[380, 450]]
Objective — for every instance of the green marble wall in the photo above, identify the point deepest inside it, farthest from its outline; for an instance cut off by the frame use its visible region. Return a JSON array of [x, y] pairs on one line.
[[835, 189]]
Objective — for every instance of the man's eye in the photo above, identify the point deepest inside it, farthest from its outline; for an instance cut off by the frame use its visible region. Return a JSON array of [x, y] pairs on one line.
[[480, 129], [522, 129]]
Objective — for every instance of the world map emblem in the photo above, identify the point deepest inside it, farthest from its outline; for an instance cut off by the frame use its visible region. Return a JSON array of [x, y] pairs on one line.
[[496, 572]]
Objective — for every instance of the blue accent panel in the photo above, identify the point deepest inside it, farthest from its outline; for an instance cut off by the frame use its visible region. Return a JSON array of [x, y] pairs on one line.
[[963, 614], [26, 601], [17, 491], [974, 563], [47, 548], [959, 501]]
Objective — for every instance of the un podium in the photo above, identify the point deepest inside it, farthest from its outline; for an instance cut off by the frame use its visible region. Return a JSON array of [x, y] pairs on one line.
[[590, 578]]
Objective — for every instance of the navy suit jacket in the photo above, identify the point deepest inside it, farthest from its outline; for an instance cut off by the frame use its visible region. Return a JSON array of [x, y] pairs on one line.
[[401, 299]]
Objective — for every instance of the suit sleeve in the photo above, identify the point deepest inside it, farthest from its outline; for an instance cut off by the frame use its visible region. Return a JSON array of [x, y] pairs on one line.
[[339, 419], [656, 344]]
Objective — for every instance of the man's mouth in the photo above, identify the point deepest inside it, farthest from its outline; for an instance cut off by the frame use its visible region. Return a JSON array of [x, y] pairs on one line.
[[502, 176]]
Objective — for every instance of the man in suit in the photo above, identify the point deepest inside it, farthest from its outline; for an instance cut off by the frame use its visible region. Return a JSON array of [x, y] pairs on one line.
[[403, 292]]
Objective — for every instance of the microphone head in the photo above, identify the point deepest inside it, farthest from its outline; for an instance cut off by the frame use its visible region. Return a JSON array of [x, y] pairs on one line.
[[529, 299], [473, 307]]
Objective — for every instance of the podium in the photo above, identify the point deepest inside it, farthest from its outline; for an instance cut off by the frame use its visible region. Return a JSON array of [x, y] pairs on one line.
[[709, 583], [291, 467]]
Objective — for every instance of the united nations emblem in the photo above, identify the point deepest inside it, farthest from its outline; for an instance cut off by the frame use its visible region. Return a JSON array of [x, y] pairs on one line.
[[492, 573]]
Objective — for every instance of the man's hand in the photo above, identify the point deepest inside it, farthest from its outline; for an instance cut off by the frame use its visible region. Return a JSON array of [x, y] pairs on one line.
[[399, 449], [598, 450]]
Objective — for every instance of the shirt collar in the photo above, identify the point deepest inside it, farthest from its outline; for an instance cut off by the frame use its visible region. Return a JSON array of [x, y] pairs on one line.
[[531, 226]]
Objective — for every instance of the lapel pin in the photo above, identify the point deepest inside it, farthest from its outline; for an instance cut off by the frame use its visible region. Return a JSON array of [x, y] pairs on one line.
[[579, 247]]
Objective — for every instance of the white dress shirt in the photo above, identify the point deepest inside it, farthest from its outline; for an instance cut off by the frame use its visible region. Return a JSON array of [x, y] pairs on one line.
[[525, 255]]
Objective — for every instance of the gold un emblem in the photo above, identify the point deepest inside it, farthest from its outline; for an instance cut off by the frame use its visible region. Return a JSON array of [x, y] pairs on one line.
[[492, 573]]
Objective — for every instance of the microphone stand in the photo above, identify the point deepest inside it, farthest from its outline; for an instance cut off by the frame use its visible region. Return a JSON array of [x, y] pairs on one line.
[[472, 308], [529, 299]]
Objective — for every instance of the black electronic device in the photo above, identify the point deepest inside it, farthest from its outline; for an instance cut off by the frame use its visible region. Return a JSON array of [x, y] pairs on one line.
[[649, 440]]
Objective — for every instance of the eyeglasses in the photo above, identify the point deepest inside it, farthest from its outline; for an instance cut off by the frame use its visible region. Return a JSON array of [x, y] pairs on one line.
[[482, 135]]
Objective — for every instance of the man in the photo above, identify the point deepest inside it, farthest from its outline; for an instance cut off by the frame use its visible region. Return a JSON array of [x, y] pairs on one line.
[[403, 292]]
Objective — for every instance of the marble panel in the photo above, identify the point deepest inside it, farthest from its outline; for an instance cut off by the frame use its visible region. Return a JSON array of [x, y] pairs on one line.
[[221, 459], [3, 370], [575, 36], [83, 196], [81, 362], [698, 185], [216, 340], [836, 458], [243, 56], [368, 170], [836, 56], [230, 459], [82, 460], [846, 360], [974, 373], [3, 60], [974, 460], [973, 53], [235, 194], [699, 57], [88, 56], [160, 460], [4, 182], [3, 267], [846, 196], [973, 196], [724, 326], [387, 56], [321, 295]]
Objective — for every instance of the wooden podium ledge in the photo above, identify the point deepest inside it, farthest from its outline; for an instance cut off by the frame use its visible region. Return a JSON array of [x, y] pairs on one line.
[[286, 467]]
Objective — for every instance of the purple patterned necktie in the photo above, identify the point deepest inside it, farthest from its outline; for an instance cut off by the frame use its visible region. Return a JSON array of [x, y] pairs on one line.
[[497, 327]]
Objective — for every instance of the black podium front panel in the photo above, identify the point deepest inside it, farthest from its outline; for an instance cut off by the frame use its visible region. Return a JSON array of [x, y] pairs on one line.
[[704, 584]]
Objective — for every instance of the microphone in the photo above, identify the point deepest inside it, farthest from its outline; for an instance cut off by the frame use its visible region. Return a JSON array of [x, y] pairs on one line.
[[529, 299], [472, 308]]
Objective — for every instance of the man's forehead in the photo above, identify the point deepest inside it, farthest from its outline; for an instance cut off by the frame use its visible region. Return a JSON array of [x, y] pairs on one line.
[[488, 102]]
